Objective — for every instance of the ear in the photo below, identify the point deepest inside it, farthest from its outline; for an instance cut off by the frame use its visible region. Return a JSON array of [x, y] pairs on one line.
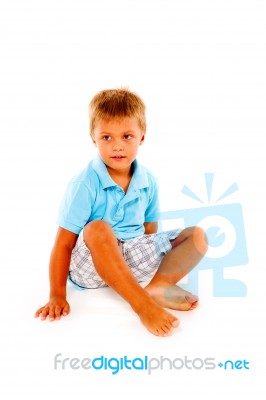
[[93, 140], [142, 139]]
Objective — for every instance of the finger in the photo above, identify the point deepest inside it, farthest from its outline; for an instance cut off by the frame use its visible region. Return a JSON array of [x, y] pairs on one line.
[[51, 313], [57, 312], [38, 312], [66, 309], [44, 313]]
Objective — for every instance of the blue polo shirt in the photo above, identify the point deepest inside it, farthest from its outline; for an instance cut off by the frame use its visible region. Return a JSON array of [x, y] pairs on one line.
[[93, 195]]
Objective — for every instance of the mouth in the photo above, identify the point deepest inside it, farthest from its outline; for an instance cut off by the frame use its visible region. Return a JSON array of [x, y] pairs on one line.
[[118, 157]]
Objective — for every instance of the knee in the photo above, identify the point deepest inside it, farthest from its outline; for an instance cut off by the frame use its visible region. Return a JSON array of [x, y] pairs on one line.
[[95, 230], [200, 239]]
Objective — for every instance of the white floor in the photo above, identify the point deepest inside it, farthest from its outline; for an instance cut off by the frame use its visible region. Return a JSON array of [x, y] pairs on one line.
[[102, 324]]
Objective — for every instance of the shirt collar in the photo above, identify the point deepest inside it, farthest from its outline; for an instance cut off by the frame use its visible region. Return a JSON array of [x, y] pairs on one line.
[[139, 179]]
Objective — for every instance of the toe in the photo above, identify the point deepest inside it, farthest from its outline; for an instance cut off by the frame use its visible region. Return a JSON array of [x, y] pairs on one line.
[[186, 306], [175, 323], [194, 305], [191, 298]]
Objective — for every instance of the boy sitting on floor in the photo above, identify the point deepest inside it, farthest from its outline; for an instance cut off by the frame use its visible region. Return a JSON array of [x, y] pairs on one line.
[[107, 233]]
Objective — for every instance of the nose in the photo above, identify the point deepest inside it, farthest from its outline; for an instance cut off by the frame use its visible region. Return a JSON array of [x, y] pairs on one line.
[[118, 146]]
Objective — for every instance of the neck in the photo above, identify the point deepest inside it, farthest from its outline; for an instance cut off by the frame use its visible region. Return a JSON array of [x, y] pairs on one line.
[[120, 174], [122, 178]]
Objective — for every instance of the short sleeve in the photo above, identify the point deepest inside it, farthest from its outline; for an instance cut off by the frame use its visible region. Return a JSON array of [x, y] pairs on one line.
[[75, 209], [152, 212]]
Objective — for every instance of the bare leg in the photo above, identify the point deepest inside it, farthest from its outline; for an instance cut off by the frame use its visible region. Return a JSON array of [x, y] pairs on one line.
[[188, 249], [111, 266]]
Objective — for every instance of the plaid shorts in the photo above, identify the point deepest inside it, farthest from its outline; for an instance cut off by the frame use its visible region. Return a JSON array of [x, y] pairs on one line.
[[143, 255]]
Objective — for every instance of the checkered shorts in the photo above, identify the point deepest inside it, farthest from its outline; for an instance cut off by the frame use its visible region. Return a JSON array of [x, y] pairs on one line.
[[143, 255]]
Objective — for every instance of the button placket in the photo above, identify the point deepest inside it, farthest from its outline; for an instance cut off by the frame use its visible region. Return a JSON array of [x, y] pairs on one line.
[[118, 213]]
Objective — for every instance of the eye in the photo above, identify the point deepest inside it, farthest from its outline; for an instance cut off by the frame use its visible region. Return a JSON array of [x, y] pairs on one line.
[[128, 137], [106, 138]]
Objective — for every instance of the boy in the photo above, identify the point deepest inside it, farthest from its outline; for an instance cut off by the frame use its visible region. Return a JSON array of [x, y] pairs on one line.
[[108, 223]]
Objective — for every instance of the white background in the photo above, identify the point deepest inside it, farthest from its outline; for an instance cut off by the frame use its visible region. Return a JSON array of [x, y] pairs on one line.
[[200, 68]]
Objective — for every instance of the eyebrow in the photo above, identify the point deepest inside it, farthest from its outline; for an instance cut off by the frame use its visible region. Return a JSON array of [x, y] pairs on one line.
[[111, 133]]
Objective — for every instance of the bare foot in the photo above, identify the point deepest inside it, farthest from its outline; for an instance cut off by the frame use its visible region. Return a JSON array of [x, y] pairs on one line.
[[172, 297], [157, 320]]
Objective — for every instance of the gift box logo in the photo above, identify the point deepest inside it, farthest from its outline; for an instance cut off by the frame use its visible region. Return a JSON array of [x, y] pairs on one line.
[[224, 227]]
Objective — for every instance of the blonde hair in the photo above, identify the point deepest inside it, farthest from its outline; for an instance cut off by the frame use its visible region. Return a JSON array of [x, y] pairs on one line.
[[115, 104]]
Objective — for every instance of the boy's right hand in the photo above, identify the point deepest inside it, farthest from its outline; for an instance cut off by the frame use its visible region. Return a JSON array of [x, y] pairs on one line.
[[56, 307]]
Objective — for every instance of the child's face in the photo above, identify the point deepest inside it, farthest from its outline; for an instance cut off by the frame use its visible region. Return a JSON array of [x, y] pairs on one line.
[[118, 141]]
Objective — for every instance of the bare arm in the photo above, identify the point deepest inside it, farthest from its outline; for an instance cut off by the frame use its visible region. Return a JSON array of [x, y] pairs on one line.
[[58, 271], [60, 260], [150, 227]]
